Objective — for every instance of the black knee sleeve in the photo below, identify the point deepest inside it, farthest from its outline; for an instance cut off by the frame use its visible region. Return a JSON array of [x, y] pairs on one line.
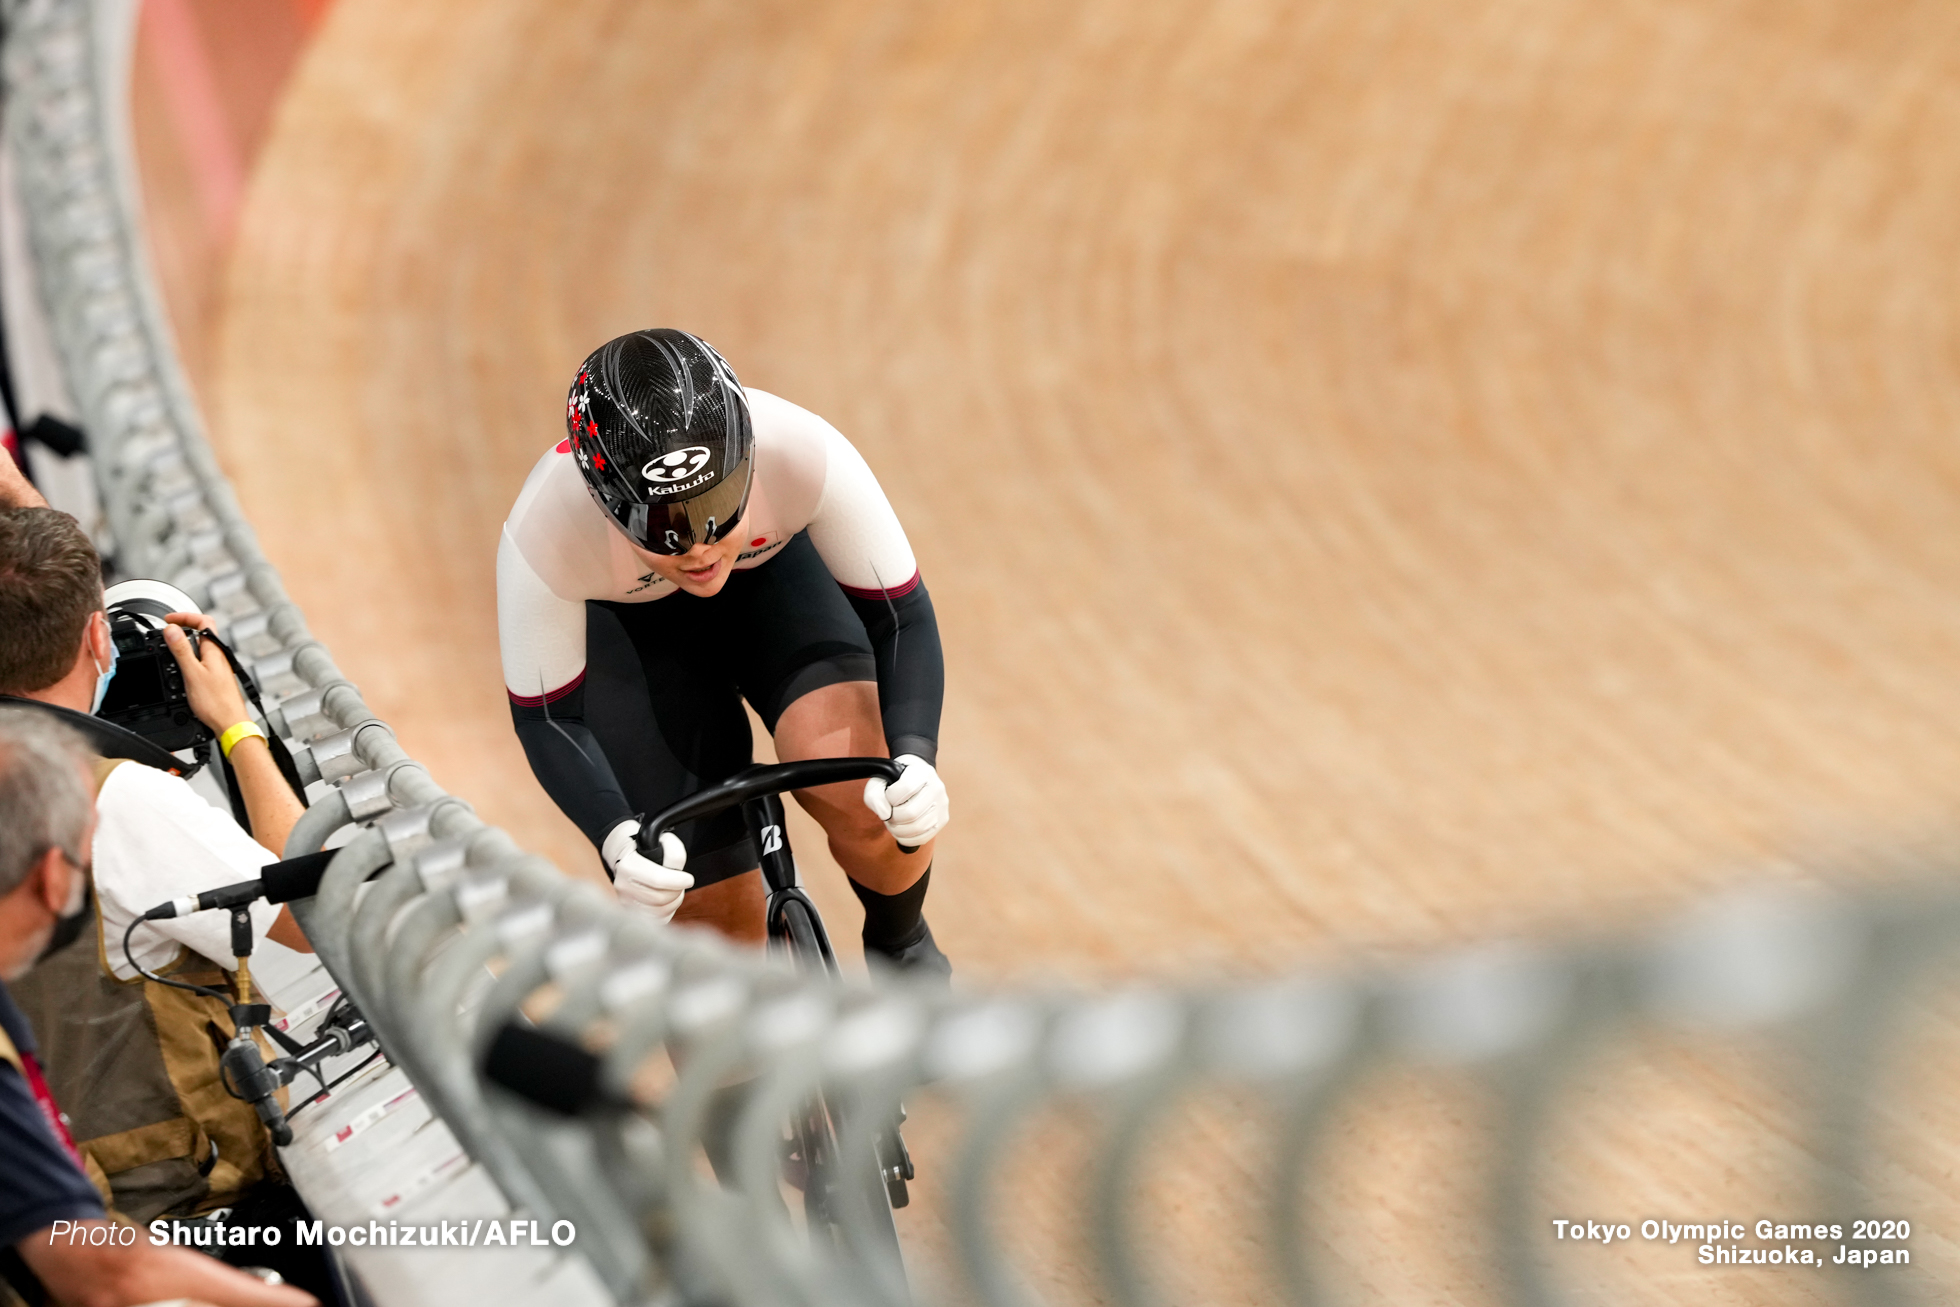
[[894, 921]]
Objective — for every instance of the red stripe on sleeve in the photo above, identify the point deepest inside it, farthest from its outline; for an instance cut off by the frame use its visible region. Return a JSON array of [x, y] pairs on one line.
[[896, 592], [550, 696]]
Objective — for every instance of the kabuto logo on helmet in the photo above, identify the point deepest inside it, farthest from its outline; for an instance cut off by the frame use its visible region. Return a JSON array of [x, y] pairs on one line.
[[672, 471]]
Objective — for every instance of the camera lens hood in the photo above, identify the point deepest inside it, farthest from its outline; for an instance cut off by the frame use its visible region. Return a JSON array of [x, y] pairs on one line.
[[147, 601]]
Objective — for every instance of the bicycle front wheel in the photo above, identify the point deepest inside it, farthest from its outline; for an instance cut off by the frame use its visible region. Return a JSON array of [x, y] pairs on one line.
[[814, 1134]]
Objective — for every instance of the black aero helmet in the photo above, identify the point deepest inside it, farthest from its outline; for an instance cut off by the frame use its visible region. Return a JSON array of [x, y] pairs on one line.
[[661, 432]]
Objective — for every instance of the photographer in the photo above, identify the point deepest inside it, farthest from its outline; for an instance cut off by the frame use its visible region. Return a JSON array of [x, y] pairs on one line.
[[53, 1240], [138, 1062]]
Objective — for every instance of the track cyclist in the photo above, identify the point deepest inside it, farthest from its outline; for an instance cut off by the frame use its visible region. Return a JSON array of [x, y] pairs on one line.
[[689, 545]]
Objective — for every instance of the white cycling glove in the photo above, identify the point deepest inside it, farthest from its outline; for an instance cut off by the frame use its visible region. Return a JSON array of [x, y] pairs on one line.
[[655, 888], [914, 807]]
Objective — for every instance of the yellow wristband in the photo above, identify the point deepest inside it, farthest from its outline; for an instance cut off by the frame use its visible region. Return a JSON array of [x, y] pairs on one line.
[[245, 730]]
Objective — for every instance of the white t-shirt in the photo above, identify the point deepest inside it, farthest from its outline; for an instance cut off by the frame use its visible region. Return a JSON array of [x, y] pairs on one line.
[[559, 549], [157, 839]]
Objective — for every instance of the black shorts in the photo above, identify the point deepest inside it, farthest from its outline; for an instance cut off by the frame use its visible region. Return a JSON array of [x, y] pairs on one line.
[[664, 684]]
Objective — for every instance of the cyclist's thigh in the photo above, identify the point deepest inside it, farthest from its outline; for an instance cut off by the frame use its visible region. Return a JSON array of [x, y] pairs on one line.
[[669, 721], [832, 721], [791, 631], [733, 907], [836, 721]]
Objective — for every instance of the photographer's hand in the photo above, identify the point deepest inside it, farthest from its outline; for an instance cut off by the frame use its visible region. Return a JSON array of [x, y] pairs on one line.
[[16, 491], [214, 692], [219, 702]]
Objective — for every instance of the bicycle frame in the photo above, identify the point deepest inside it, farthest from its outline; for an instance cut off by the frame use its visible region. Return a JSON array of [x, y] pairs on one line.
[[758, 790], [764, 817]]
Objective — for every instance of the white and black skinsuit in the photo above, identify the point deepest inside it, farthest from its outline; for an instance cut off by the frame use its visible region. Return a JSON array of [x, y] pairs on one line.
[[626, 690]]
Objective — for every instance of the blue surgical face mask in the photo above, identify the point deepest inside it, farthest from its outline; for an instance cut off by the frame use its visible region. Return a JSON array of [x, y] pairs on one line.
[[102, 678]]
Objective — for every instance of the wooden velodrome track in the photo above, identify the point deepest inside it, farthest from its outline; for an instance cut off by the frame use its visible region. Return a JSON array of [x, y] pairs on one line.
[[1389, 474]]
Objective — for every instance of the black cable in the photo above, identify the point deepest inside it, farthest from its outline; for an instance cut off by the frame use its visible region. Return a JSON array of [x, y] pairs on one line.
[[340, 1006], [335, 1013], [224, 1080], [224, 1083], [338, 1080], [130, 958]]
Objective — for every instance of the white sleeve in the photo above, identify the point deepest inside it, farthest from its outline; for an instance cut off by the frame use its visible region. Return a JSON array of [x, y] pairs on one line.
[[157, 839], [854, 528], [541, 636]]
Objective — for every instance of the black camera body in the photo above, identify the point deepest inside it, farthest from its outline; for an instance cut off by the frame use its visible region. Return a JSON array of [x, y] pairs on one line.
[[147, 695]]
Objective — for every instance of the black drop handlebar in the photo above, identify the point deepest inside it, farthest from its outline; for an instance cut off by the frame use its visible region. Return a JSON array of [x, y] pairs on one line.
[[755, 782]]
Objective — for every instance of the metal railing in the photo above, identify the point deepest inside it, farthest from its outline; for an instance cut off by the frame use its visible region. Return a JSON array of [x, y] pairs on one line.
[[453, 895]]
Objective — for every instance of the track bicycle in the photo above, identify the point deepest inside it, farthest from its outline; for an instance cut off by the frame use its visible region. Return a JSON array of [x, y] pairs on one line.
[[813, 1162]]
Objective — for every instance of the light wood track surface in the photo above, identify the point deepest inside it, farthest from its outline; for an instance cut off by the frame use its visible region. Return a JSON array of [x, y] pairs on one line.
[[1387, 473]]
